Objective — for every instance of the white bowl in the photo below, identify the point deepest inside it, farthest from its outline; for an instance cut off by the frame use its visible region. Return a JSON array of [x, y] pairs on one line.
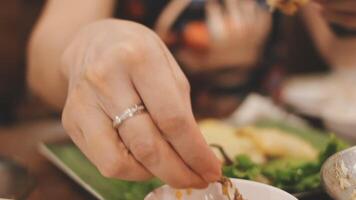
[[250, 191]]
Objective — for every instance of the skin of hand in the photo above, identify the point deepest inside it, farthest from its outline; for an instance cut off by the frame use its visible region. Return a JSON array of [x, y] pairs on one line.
[[111, 65], [341, 12]]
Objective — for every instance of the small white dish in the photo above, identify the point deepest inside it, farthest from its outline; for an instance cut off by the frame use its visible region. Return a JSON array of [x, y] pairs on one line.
[[250, 191]]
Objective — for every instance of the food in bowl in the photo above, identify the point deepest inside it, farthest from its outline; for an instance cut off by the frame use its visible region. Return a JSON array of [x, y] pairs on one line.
[[229, 189]]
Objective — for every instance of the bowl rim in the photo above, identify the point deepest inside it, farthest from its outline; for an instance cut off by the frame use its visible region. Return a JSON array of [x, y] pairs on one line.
[[236, 181]]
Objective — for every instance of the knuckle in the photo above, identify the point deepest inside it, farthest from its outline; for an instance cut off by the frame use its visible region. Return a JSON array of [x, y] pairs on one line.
[[185, 84], [145, 152], [172, 122], [131, 52], [142, 33], [135, 51], [97, 74], [67, 56], [67, 120]]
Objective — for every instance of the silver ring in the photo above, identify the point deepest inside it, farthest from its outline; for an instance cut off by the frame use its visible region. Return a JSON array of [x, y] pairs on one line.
[[128, 113]]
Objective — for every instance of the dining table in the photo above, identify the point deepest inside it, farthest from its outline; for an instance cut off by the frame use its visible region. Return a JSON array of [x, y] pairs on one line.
[[20, 142]]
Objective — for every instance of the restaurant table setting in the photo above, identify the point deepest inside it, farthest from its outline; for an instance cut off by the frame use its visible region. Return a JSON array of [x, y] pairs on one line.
[[53, 167], [270, 147]]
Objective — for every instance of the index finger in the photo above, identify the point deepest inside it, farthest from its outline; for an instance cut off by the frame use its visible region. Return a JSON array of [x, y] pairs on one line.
[[169, 107]]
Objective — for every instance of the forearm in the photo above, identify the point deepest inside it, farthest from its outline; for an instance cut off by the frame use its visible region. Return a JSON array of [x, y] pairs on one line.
[[338, 52], [58, 24]]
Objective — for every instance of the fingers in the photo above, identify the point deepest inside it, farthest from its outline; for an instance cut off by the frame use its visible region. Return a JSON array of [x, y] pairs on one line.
[[142, 137], [110, 154], [145, 142], [167, 142], [171, 112], [102, 144], [101, 88]]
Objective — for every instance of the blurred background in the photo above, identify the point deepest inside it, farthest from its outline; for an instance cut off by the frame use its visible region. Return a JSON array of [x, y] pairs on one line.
[[295, 54], [16, 21], [220, 63]]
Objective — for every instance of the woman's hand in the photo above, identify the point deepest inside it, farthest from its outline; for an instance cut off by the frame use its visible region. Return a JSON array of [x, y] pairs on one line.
[[341, 12], [112, 65]]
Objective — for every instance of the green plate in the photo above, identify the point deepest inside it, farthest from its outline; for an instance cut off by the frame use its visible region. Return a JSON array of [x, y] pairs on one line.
[[67, 157]]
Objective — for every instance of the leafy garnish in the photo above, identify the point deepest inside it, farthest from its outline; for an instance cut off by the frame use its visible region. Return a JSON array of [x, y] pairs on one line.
[[292, 175]]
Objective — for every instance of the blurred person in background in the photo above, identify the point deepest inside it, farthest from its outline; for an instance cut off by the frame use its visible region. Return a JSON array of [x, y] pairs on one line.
[[17, 18], [92, 66]]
